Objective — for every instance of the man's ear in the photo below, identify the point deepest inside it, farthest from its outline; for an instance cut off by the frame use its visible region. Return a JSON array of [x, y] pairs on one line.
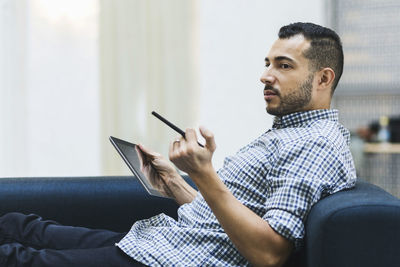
[[326, 76]]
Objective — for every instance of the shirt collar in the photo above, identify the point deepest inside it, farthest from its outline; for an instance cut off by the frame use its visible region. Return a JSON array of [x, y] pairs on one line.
[[300, 118]]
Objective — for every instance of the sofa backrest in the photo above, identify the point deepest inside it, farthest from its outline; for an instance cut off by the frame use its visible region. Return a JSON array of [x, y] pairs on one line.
[[358, 227], [107, 202]]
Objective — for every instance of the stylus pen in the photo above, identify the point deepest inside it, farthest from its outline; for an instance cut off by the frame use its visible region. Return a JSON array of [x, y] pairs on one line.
[[171, 125]]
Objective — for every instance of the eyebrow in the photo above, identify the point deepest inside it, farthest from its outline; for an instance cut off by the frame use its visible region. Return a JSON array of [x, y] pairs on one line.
[[280, 58]]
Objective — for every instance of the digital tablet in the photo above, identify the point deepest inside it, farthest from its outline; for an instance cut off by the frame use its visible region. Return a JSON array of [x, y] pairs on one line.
[[129, 154]]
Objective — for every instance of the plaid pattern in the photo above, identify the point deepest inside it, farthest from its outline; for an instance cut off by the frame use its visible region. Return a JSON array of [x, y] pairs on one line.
[[279, 176]]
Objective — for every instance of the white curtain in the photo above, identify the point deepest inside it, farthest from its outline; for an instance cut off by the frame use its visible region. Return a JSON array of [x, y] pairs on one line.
[[13, 153], [148, 58]]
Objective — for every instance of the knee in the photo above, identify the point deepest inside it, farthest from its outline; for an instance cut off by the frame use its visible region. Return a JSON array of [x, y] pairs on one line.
[[12, 216], [16, 219]]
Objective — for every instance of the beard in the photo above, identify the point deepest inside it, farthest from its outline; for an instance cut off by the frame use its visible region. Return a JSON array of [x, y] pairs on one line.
[[295, 100]]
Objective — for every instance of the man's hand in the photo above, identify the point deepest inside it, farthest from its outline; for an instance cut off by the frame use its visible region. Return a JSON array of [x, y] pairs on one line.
[[188, 156], [158, 170], [163, 175]]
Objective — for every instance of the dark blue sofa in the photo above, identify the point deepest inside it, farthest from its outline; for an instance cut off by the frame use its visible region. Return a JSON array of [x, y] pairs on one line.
[[359, 227]]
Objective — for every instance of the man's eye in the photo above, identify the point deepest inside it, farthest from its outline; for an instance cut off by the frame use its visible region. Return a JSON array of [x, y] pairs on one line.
[[267, 65], [285, 66]]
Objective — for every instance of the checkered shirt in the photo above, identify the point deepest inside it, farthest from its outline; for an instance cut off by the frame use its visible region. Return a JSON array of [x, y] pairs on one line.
[[279, 176]]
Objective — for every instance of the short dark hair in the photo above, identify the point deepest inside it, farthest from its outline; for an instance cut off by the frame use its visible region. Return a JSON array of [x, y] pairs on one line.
[[326, 48]]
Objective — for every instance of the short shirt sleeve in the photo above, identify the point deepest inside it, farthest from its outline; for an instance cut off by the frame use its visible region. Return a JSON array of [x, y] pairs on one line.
[[302, 173]]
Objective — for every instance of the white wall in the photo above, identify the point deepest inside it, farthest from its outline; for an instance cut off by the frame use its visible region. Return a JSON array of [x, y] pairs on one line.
[[235, 36], [50, 118], [62, 86], [13, 156], [49, 88]]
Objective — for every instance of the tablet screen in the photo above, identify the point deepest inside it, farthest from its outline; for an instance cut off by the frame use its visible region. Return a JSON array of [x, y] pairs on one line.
[[129, 154]]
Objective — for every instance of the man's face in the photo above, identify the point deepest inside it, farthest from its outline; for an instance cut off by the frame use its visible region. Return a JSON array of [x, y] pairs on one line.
[[288, 81]]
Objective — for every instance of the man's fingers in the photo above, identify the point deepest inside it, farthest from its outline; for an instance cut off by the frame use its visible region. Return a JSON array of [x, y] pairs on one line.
[[147, 151], [209, 137], [177, 142], [142, 158], [191, 136], [174, 146]]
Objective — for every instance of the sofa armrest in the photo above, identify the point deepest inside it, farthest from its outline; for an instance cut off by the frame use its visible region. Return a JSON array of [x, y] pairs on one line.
[[359, 227], [108, 202]]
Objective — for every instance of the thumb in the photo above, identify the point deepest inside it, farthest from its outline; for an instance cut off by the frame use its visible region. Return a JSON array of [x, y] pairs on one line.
[[141, 156], [147, 151], [209, 137]]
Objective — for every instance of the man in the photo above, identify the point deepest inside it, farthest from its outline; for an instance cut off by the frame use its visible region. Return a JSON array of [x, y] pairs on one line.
[[252, 210]]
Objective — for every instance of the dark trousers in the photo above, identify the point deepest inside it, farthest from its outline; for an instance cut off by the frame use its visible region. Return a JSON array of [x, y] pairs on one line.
[[27, 240]]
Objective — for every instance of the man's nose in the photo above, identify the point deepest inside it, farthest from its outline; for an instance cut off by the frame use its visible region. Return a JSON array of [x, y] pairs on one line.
[[267, 77]]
